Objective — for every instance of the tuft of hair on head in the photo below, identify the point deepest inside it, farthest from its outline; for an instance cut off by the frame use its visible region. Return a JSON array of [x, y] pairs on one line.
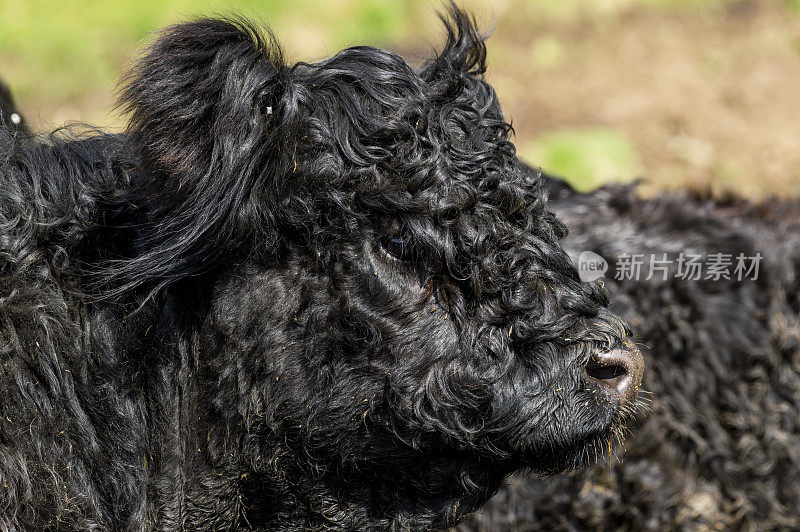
[[464, 52], [210, 104]]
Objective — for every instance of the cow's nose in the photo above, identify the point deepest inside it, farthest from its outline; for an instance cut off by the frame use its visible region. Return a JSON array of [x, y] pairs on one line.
[[619, 372]]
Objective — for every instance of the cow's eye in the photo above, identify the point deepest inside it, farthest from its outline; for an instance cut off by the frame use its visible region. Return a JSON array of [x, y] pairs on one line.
[[399, 248]]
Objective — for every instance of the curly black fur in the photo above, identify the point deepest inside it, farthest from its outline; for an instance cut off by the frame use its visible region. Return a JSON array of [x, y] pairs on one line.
[[308, 296], [721, 448]]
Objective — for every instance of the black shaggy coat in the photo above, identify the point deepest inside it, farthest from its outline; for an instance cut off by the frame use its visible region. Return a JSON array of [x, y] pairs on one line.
[[288, 297], [721, 448]]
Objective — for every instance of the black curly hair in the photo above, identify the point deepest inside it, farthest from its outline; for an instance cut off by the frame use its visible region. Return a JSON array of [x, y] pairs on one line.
[[308, 296]]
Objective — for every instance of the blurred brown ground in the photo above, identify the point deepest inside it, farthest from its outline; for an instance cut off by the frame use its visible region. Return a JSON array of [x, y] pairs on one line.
[[709, 98]]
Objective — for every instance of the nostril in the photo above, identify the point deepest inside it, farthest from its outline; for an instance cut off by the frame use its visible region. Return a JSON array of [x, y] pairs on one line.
[[618, 371], [598, 371]]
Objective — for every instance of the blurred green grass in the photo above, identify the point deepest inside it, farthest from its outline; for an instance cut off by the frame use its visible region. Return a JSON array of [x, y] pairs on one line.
[[589, 157]]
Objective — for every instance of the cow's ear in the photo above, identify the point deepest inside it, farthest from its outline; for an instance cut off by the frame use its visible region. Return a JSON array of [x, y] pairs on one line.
[[9, 116], [204, 92], [211, 105]]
